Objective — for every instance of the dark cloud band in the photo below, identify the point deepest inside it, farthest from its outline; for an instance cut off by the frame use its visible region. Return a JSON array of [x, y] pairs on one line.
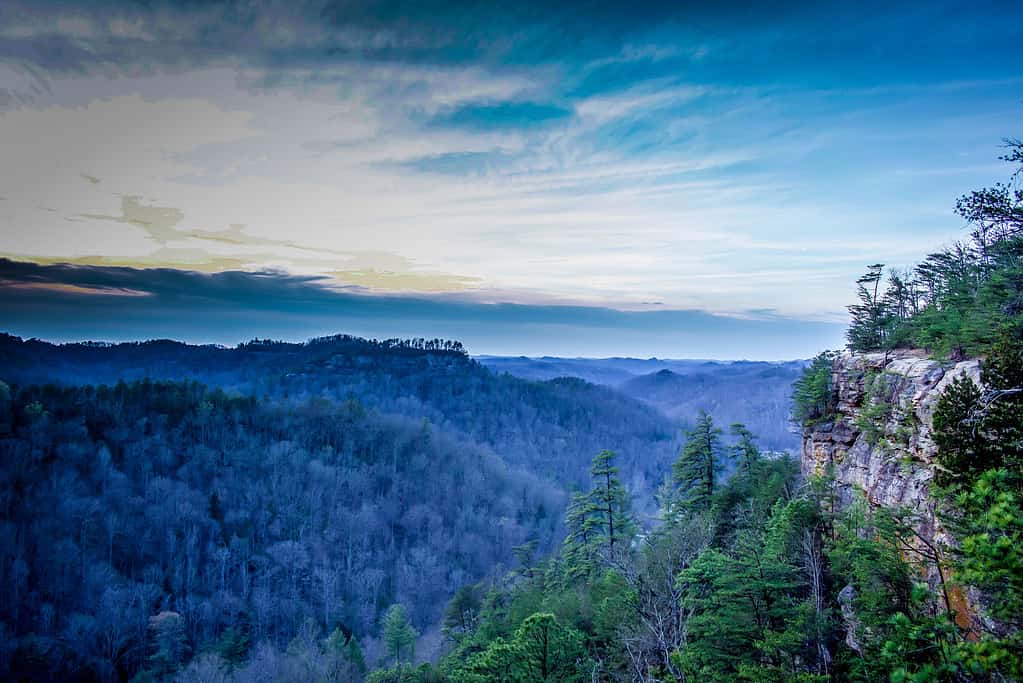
[[70, 302]]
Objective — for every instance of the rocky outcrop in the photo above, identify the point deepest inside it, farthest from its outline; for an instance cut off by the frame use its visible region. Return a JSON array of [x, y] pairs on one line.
[[851, 622], [879, 442]]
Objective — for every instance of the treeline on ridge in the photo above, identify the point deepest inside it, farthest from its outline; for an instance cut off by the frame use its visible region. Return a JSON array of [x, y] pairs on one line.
[[961, 299]]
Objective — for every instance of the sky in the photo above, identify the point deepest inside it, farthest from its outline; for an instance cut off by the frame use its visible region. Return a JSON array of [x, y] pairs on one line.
[[695, 179]]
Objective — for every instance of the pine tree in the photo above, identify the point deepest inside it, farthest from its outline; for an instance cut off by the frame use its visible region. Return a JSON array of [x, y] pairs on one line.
[[696, 470], [977, 430], [608, 500], [399, 636], [462, 613], [869, 317], [1002, 374], [991, 559], [962, 453], [344, 647], [233, 646], [813, 394], [581, 540], [745, 448], [545, 651], [599, 520]]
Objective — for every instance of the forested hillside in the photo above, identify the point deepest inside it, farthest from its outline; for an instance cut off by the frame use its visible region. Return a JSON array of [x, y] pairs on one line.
[[240, 517], [607, 371], [276, 491], [552, 428], [758, 395], [755, 393]]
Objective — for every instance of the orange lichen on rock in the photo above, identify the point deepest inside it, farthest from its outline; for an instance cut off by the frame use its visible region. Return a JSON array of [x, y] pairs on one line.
[[963, 612]]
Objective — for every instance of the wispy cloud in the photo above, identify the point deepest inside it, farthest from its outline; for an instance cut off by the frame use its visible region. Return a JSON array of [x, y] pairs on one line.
[[606, 154]]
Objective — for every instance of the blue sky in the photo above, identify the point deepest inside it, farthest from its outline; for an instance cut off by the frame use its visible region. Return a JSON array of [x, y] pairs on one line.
[[588, 179]]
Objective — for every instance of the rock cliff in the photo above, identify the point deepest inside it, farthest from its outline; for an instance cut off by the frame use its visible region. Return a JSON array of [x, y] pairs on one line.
[[879, 442]]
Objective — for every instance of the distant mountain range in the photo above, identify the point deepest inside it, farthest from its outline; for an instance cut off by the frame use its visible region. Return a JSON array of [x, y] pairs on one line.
[[755, 393]]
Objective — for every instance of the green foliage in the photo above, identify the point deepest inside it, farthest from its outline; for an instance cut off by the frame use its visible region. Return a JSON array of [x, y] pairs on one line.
[[979, 434], [901, 627], [864, 553], [813, 394], [461, 616], [406, 673], [763, 582], [871, 322], [233, 646], [696, 471], [991, 559], [610, 501], [345, 647], [1002, 417], [598, 520], [494, 663], [977, 431], [967, 299], [744, 450], [876, 410], [962, 452], [541, 650], [581, 539], [398, 634], [992, 548], [547, 651], [921, 647], [754, 611]]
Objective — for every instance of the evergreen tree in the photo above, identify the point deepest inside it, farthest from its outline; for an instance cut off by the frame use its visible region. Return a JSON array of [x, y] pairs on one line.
[[462, 613], [753, 609], [867, 330], [582, 523], [233, 646], [991, 559], [962, 456], [598, 520], [813, 394], [546, 651], [609, 501], [696, 470], [496, 662], [976, 430], [344, 647], [1002, 416], [398, 635], [979, 434], [745, 448]]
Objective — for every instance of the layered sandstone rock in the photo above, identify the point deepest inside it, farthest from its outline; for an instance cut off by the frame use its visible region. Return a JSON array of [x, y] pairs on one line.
[[879, 444]]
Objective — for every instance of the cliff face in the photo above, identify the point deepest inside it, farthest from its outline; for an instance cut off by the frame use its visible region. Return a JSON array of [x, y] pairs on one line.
[[880, 443]]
